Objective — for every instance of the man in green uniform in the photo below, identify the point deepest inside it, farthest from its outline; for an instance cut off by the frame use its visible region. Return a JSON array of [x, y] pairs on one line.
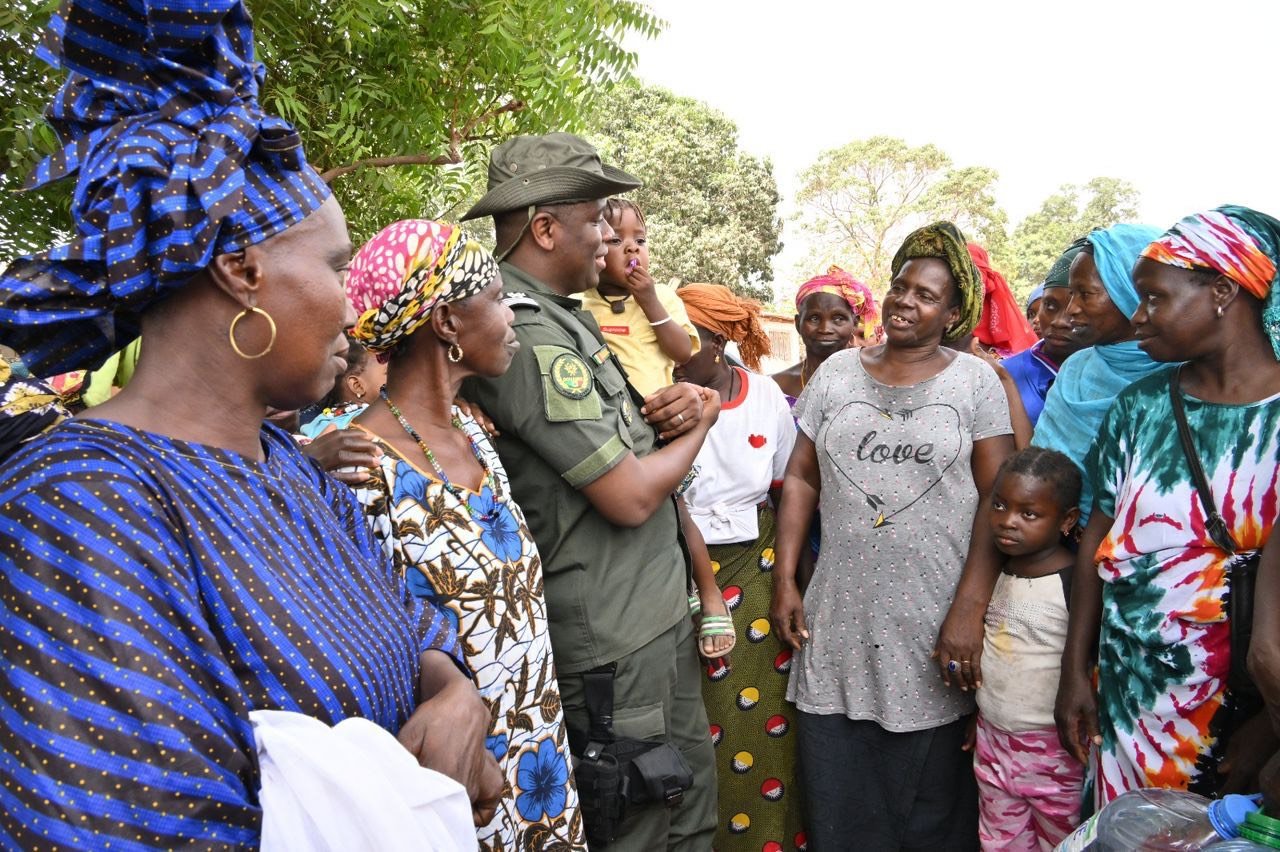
[[586, 467]]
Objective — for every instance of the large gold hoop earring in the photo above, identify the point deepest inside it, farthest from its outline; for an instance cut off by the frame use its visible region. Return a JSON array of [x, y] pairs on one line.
[[231, 333], [455, 352]]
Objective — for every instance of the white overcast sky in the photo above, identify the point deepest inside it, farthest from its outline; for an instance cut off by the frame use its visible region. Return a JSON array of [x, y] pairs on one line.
[[1180, 98]]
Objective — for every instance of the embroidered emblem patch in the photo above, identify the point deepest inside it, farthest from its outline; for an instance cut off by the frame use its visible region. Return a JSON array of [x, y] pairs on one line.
[[570, 376]]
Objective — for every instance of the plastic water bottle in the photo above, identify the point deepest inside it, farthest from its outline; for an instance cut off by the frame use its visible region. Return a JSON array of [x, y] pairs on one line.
[[1157, 820], [1258, 833]]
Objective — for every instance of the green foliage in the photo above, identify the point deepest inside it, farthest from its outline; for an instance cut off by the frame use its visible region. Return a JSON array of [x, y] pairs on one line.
[[429, 85], [858, 202], [711, 209], [31, 219], [1063, 217]]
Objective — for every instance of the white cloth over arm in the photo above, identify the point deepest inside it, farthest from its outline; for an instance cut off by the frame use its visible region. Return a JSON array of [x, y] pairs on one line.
[[352, 787]]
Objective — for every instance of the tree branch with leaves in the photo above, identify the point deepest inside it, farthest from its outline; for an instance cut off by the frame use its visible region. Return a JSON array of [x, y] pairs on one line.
[[402, 99]]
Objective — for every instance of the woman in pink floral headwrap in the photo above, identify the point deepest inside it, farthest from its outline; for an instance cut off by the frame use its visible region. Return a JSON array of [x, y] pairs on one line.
[[430, 305], [833, 312]]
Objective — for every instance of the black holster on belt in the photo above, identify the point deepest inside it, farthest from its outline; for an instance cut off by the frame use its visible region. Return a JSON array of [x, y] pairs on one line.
[[617, 775]]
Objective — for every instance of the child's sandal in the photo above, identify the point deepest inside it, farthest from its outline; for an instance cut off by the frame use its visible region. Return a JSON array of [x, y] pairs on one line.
[[713, 627], [695, 605]]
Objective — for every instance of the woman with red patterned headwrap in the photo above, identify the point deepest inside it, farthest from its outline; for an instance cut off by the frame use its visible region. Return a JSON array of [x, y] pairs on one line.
[[439, 505], [833, 312]]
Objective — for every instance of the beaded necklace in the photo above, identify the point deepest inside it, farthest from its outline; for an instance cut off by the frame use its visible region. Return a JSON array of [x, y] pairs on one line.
[[487, 479]]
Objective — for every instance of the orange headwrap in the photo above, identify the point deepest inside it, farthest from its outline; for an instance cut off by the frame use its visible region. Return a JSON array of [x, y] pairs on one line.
[[715, 308]]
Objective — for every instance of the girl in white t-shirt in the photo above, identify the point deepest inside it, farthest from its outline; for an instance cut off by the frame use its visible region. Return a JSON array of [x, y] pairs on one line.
[[1028, 784]]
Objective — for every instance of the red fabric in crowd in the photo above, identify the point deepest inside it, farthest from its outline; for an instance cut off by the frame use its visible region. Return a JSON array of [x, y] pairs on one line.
[[1002, 326]]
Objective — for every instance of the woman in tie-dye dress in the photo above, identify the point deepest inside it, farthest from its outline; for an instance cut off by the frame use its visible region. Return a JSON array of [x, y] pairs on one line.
[[1157, 601]]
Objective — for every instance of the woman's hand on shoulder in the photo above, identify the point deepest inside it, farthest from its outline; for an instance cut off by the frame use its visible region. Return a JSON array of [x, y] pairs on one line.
[[787, 614], [976, 348], [476, 413], [346, 454]]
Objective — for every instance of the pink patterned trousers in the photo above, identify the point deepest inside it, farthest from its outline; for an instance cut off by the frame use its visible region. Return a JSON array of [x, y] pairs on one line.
[[1028, 789]]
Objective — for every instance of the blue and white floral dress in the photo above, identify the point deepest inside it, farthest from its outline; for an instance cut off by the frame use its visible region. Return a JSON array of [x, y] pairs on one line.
[[472, 553]]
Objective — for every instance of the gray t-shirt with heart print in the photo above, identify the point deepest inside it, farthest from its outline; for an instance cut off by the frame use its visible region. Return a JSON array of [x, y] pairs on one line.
[[897, 502]]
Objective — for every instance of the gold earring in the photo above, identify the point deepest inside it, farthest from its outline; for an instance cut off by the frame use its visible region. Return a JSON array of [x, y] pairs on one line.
[[1220, 311], [455, 352], [231, 333], [717, 360]]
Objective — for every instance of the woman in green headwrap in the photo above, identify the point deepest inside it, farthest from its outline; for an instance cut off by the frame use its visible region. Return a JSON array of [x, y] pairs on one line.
[[900, 442]]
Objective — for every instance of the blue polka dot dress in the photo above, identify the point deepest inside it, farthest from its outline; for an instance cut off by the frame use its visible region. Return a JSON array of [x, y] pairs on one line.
[[152, 593]]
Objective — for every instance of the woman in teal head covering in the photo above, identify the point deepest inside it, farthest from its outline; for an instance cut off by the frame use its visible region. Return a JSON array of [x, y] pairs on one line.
[[1103, 299]]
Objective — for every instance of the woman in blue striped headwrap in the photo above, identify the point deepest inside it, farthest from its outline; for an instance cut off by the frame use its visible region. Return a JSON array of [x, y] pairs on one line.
[[167, 570]]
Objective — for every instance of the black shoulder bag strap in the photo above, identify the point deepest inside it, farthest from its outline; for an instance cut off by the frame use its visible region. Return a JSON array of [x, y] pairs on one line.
[[1245, 699], [1215, 525]]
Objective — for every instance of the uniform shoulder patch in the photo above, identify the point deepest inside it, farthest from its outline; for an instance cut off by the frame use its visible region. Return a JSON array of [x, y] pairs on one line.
[[570, 376]]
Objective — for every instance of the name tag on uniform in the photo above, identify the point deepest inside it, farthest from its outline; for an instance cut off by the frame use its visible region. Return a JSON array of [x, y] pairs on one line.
[[616, 329]]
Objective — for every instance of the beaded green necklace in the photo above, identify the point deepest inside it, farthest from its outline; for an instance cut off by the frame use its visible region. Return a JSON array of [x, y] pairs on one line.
[[426, 451]]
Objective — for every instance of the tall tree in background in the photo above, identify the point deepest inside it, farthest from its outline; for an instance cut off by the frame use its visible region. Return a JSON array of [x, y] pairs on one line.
[[859, 201], [398, 101], [1063, 217], [711, 209]]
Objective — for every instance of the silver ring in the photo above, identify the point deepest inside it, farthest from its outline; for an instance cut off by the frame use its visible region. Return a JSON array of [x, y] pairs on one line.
[[681, 416], [953, 667]]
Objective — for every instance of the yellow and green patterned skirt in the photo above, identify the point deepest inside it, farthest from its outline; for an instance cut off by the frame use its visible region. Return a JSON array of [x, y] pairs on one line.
[[752, 724]]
